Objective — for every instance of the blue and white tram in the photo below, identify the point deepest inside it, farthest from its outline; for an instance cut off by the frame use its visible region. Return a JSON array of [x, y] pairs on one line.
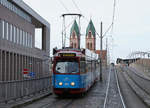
[[74, 70]]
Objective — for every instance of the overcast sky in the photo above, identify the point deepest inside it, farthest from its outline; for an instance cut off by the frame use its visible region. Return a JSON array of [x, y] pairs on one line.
[[131, 25]]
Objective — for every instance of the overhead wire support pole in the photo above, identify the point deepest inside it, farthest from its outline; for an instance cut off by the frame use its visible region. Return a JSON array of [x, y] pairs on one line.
[[107, 52], [101, 48]]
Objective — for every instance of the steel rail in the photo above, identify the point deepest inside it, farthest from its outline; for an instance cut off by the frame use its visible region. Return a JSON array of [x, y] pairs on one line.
[[122, 100], [107, 90]]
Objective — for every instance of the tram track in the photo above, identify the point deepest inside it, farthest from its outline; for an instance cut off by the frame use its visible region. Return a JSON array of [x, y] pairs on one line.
[[49, 104], [131, 98], [113, 93], [59, 102], [138, 85]]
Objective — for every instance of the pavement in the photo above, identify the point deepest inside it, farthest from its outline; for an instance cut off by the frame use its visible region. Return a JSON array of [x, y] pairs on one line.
[[26, 100]]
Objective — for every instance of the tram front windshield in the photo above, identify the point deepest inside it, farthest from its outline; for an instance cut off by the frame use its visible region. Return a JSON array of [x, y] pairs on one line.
[[67, 67]]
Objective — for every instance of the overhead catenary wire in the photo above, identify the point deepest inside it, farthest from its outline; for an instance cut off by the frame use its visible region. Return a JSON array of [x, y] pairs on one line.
[[68, 25], [110, 27], [76, 6], [63, 5], [113, 18]]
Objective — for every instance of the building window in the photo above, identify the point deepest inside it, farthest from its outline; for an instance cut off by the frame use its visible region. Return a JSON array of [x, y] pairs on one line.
[[75, 45], [26, 39], [91, 46], [14, 34], [21, 37], [31, 40], [90, 34], [73, 34], [7, 30], [3, 29], [10, 32], [17, 36], [14, 29], [71, 44], [88, 46]]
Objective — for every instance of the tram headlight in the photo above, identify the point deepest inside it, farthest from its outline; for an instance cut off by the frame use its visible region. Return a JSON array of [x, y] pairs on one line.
[[60, 83], [72, 83]]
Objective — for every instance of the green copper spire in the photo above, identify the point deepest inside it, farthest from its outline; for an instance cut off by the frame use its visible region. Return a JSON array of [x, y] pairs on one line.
[[75, 28], [90, 27]]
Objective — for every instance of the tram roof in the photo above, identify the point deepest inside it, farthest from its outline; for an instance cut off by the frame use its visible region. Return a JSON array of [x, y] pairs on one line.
[[90, 55]]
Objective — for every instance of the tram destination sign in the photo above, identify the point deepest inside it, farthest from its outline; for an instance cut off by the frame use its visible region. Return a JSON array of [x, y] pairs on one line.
[[67, 55]]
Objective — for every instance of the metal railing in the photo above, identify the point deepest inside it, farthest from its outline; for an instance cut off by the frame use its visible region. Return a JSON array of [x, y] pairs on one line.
[[12, 90]]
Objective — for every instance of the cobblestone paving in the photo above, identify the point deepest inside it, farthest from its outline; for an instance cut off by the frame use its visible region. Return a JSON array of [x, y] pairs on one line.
[[93, 99]]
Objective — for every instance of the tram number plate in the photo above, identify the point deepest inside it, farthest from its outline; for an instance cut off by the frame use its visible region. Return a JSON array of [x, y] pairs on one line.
[[66, 84]]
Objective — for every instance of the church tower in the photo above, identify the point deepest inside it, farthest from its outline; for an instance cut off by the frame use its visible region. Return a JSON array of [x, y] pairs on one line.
[[75, 36], [91, 37]]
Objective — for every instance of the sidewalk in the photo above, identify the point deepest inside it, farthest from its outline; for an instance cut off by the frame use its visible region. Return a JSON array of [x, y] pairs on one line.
[[26, 100]]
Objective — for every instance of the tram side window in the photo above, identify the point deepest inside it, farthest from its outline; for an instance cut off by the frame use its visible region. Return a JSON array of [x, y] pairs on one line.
[[82, 66], [88, 64], [93, 66]]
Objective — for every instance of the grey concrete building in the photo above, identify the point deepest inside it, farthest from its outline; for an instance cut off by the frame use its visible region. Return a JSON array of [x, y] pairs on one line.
[[18, 53]]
